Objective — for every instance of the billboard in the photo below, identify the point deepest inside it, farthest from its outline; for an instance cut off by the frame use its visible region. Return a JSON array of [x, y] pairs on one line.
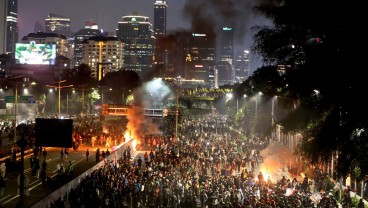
[[33, 53]]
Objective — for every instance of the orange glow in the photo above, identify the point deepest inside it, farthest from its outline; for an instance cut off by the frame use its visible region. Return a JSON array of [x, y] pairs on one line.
[[135, 141], [134, 145], [265, 173], [127, 136]]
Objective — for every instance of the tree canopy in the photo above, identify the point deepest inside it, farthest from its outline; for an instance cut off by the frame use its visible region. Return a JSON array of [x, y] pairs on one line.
[[314, 45]]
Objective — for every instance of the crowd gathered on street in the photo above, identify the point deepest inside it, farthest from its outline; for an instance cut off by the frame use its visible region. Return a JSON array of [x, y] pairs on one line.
[[208, 165]]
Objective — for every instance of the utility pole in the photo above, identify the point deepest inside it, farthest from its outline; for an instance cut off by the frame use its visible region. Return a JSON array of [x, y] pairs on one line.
[[59, 87]]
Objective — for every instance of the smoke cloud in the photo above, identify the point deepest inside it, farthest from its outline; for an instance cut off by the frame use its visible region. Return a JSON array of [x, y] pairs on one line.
[[150, 96], [277, 159], [208, 16]]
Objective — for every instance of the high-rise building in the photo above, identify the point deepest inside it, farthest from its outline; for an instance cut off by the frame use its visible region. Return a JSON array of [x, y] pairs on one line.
[[103, 55], [225, 65], [3, 13], [137, 34], [38, 27], [58, 24], [191, 56], [224, 73], [200, 57], [159, 24], [241, 65], [8, 25], [90, 30]]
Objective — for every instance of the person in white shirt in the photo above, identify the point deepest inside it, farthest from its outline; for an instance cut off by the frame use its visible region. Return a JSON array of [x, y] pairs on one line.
[[3, 169]]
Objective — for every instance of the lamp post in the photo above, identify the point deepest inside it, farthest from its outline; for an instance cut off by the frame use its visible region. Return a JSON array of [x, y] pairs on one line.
[[176, 112], [59, 87], [230, 95], [67, 103], [16, 104], [176, 107], [83, 87], [15, 110]]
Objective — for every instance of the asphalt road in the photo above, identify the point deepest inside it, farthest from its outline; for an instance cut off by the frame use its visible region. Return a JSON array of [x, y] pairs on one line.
[[36, 190]]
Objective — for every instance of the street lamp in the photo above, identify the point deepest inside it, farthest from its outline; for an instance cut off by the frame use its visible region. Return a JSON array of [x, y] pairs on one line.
[[16, 103], [230, 96], [59, 87], [176, 107], [256, 111]]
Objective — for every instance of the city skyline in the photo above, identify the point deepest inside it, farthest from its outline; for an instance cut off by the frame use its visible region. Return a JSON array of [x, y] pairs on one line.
[[186, 14], [106, 14]]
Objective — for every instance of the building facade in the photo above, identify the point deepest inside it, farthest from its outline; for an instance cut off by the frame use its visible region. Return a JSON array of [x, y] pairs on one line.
[[90, 30], [8, 25], [225, 64], [62, 47], [191, 56], [159, 24], [103, 55], [58, 24], [241, 66], [137, 34], [200, 57], [3, 15]]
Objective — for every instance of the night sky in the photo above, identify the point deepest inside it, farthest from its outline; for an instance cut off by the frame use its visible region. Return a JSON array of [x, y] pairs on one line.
[[106, 13], [181, 14]]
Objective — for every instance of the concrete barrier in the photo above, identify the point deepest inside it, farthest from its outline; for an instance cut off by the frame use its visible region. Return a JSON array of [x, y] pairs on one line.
[[63, 191]]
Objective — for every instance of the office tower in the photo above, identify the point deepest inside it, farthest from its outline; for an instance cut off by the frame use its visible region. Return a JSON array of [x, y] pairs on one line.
[[224, 73], [241, 65], [200, 57], [137, 34], [90, 30], [191, 56], [159, 24], [8, 25], [3, 10], [38, 27], [103, 55], [225, 65], [58, 24]]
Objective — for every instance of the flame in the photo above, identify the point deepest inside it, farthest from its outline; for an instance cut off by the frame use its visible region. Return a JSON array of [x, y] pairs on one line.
[[134, 145], [128, 136], [265, 173]]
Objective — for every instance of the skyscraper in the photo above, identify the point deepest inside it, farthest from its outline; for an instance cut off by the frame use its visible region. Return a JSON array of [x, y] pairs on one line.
[[137, 33], [8, 25], [199, 57], [90, 29], [225, 65], [3, 10], [159, 24], [38, 27], [191, 56], [58, 24], [241, 66]]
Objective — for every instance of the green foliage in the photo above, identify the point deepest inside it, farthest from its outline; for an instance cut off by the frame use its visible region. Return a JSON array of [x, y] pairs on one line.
[[122, 82], [78, 76], [315, 52]]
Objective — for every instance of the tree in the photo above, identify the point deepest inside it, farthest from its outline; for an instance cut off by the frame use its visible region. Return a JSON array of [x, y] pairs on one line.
[[121, 82], [81, 79], [318, 53], [80, 75]]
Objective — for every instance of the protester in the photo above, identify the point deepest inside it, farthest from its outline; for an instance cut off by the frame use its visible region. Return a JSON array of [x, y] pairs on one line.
[[2, 186], [87, 154]]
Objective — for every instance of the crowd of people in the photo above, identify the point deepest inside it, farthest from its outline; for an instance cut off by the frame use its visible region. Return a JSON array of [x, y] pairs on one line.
[[209, 165]]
